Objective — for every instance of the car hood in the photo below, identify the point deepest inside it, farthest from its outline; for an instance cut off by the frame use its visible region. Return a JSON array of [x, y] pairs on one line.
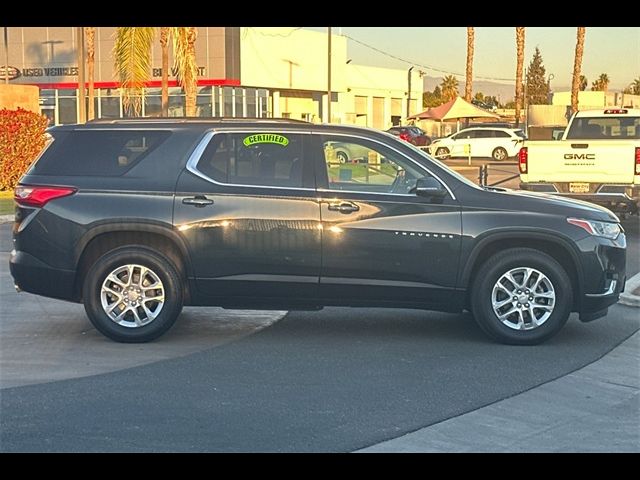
[[553, 204]]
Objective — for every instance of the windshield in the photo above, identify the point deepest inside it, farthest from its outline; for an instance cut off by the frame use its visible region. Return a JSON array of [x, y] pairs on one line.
[[449, 170]]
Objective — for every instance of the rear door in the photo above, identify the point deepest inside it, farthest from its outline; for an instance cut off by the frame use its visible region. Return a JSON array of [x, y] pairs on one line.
[[246, 208]]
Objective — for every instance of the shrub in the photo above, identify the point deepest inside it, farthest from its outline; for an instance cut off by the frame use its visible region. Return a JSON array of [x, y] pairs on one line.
[[22, 138]]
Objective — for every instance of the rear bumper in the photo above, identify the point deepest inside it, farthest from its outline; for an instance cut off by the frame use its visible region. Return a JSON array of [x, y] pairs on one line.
[[34, 276], [613, 196]]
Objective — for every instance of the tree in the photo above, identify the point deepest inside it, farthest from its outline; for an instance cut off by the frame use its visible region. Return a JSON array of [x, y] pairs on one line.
[[432, 99], [537, 86], [583, 83], [449, 88], [519, 63], [479, 96], [468, 85], [164, 86], [635, 86], [601, 84], [577, 65], [132, 57], [90, 36]]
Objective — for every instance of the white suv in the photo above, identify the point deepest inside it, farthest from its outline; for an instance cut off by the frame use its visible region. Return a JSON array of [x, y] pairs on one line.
[[497, 143]]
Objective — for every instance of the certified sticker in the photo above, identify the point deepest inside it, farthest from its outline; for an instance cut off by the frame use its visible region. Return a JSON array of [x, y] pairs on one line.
[[265, 138]]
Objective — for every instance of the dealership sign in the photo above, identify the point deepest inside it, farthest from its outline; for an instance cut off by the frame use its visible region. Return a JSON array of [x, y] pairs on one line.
[[9, 71]]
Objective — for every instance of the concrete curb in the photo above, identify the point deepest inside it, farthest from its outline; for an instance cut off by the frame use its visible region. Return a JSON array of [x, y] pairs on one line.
[[627, 298], [6, 218]]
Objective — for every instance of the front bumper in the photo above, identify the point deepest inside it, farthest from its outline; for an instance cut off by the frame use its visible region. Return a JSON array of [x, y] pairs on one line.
[[603, 264]]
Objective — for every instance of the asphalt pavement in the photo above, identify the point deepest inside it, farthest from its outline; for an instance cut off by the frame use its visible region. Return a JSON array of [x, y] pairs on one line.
[[336, 380]]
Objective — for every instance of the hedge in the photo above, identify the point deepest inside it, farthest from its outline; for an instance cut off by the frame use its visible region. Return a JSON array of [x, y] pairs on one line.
[[22, 137]]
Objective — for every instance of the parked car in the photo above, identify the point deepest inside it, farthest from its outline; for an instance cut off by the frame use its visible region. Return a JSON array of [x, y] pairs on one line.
[[411, 134], [497, 143], [136, 218], [348, 153], [492, 107]]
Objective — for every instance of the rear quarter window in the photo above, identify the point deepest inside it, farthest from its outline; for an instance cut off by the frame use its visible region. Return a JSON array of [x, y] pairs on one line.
[[106, 153]]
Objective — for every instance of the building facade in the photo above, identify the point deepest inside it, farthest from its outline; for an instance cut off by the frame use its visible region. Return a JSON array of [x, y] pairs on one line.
[[242, 72]]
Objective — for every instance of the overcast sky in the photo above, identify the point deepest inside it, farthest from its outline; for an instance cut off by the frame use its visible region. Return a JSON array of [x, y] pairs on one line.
[[612, 50]]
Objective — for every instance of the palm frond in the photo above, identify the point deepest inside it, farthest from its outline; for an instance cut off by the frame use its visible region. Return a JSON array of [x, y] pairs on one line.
[[132, 57]]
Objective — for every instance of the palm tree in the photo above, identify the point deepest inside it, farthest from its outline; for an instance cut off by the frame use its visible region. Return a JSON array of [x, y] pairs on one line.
[[583, 83], [449, 88], [164, 46], [469, 78], [90, 35], [132, 55], [635, 86], [604, 81], [577, 65], [519, 63]]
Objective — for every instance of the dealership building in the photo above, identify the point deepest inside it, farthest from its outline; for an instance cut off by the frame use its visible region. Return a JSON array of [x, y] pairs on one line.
[[242, 72]]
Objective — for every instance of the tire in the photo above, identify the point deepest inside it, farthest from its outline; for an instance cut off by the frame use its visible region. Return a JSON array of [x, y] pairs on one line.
[[442, 153], [342, 157], [517, 328], [499, 154], [162, 301]]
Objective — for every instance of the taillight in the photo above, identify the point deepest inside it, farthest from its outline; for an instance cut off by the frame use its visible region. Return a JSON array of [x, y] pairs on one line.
[[32, 196], [637, 160], [523, 159], [404, 136]]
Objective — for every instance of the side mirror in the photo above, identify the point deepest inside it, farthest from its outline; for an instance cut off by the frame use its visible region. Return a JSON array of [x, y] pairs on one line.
[[429, 187]]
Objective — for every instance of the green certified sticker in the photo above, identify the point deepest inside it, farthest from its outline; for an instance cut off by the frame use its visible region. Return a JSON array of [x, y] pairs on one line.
[[265, 138]]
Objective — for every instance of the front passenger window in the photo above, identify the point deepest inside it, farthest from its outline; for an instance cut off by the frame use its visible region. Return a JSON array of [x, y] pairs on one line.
[[363, 166]]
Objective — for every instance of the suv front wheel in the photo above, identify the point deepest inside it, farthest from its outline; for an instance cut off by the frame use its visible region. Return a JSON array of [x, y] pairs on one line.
[[521, 296], [132, 294]]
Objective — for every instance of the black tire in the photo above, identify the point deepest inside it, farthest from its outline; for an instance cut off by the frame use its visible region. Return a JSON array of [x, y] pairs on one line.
[[160, 266], [499, 154], [489, 274], [342, 157], [442, 153]]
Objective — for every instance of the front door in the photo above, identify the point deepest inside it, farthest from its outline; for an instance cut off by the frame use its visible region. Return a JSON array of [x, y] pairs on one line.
[[247, 211], [380, 241]]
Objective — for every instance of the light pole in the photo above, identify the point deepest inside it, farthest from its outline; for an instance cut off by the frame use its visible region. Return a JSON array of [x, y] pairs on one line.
[[549, 78], [6, 56], [329, 75], [82, 103], [409, 91]]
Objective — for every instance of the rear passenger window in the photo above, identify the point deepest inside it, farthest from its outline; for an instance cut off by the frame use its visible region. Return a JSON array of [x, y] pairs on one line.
[[265, 159], [106, 153]]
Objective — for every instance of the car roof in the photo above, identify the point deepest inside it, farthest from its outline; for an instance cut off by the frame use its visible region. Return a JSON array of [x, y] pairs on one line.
[[199, 124], [505, 129]]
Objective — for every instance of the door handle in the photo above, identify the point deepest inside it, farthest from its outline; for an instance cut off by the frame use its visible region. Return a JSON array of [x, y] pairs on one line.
[[343, 207], [198, 201]]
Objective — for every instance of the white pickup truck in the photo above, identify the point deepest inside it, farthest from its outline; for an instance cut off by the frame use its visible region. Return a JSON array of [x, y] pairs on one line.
[[597, 159]]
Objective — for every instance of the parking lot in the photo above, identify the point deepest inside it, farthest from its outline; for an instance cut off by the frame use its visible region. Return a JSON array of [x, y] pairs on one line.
[[336, 380]]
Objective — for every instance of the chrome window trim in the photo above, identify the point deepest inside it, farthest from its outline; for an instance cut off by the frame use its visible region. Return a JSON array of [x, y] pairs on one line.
[[208, 136]]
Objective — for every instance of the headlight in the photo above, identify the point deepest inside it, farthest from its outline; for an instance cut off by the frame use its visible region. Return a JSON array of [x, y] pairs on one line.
[[599, 229]]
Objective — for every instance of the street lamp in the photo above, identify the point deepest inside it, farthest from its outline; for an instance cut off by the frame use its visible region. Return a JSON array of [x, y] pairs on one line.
[[409, 91]]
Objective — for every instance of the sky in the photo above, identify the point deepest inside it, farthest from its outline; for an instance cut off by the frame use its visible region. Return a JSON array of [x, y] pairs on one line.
[[611, 50]]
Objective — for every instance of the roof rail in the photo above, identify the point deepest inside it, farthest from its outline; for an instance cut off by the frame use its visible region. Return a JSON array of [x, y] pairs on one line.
[[196, 120]]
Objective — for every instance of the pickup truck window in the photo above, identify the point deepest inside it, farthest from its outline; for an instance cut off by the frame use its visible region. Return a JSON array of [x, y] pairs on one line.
[[594, 128]]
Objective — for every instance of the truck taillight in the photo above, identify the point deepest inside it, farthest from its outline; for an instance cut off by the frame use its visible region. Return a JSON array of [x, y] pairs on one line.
[[32, 196], [523, 159], [637, 161]]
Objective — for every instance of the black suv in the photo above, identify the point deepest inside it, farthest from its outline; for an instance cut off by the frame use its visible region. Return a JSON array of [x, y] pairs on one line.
[[136, 218]]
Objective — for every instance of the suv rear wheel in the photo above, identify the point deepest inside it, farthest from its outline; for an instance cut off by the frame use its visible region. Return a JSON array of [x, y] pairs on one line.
[[132, 294], [521, 296]]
